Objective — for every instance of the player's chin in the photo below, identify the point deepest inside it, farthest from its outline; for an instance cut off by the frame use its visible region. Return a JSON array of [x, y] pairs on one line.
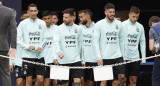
[[111, 18], [134, 21]]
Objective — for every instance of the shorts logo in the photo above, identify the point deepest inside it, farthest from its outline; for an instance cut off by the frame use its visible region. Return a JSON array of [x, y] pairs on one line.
[[17, 70], [25, 72], [45, 68], [25, 69], [16, 74]]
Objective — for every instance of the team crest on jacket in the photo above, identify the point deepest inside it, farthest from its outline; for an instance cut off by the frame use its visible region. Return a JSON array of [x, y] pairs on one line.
[[137, 29], [117, 26], [40, 27], [75, 30]]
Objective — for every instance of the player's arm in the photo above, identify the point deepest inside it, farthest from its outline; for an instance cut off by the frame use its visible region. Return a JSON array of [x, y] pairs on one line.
[[56, 42], [143, 45], [96, 39], [80, 43], [20, 38]]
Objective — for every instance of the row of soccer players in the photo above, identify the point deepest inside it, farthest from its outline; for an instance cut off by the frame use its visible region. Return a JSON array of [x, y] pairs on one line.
[[106, 42]]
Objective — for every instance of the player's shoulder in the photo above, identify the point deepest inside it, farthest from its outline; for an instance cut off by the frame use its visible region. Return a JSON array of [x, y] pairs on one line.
[[75, 25], [81, 26], [25, 21], [117, 22], [125, 22], [139, 25], [61, 25], [100, 21], [41, 21]]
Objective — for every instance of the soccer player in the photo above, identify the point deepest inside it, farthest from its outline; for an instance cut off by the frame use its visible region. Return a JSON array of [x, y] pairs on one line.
[[30, 37], [87, 26], [107, 41], [54, 17], [133, 35], [48, 52], [67, 41]]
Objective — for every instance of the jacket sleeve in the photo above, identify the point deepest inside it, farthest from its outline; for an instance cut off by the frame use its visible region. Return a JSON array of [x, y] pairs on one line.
[[80, 43], [56, 41], [20, 37], [143, 45], [96, 39], [121, 38]]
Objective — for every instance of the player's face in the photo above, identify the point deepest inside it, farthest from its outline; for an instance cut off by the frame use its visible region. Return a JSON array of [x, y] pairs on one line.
[[67, 18], [74, 17], [83, 18], [133, 17], [110, 13], [47, 19], [54, 19], [32, 11], [80, 18]]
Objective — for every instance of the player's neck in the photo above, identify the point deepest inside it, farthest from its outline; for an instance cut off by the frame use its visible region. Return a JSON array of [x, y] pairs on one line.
[[109, 20], [70, 24], [33, 18], [88, 23]]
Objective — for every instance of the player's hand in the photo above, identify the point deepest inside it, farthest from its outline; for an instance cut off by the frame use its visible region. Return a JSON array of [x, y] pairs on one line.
[[83, 65], [61, 55], [39, 50], [142, 63], [100, 62], [31, 48], [55, 61], [11, 68], [12, 53]]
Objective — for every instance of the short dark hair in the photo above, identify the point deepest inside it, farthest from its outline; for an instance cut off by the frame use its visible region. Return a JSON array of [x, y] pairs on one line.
[[154, 19], [74, 10], [135, 10], [71, 11], [89, 12], [45, 13], [109, 6], [81, 11], [32, 5], [54, 13]]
